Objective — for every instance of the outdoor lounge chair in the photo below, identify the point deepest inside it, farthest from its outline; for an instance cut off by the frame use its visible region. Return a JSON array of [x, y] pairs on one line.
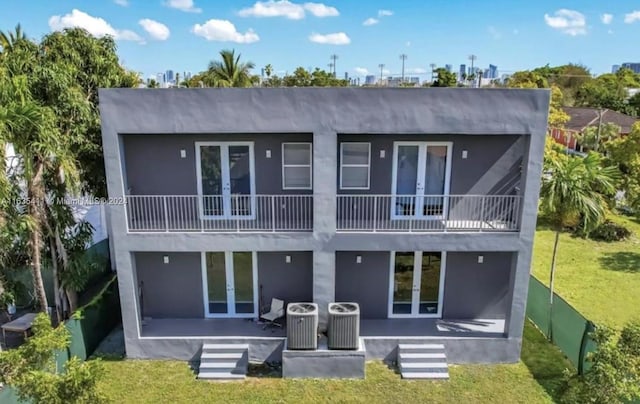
[[275, 312]]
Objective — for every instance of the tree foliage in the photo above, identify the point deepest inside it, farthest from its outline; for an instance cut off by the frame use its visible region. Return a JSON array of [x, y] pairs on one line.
[[316, 78], [624, 153], [444, 78], [32, 370], [229, 71], [614, 376], [609, 91]]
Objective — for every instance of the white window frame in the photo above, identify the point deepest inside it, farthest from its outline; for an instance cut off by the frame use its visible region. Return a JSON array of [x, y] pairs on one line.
[[343, 165], [310, 166]]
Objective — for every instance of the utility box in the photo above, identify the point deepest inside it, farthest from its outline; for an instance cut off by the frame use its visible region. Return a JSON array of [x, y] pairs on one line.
[[343, 329], [302, 326]]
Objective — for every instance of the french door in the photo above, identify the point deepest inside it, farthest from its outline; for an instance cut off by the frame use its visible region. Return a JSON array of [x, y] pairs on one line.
[[226, 180], [229, 283], [420, 183], [416, 283]]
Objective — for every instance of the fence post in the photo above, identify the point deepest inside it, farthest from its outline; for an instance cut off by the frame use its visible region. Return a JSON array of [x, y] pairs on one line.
[[166, 213], [589, 327], [273, 213]]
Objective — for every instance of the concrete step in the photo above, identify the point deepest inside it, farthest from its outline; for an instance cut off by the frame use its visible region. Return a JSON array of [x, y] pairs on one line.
[[220, 376], [420, 347], [221, 356], [426, 375], [422, 357], [224, 347], [424, 367], [210, 366]]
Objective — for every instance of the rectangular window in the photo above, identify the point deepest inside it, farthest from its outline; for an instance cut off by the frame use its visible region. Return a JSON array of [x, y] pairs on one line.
[[355, 161], [296, 166]]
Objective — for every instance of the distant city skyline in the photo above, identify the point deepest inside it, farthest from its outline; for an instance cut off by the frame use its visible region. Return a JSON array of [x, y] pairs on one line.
[[152, 35]]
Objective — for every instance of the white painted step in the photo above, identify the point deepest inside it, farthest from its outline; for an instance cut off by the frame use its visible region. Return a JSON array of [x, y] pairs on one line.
[[226, 356], [420, 365], [219, 365], [415, 347], [225, 347], [220, 376], [425, 375], [420, 356]]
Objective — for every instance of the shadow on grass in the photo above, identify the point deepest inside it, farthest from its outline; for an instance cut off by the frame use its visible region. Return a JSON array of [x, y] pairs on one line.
[[621, 261], [545, 361]]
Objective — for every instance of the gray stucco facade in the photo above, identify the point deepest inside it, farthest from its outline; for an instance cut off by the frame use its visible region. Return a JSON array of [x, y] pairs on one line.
[[503, 132]]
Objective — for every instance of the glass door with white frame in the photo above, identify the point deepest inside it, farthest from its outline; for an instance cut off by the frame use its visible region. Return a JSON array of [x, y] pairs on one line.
[[229, 286], [226, 180], [416, 284], [421, 172]]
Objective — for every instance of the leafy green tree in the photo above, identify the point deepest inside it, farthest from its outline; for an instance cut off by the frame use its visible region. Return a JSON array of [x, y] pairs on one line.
[[444, 78], [569, 78], [609, 91], [58, 145], [575, 189], [614, 376], [31, 369], [594, 136], [229, 72], [301, 77], [624, 153]]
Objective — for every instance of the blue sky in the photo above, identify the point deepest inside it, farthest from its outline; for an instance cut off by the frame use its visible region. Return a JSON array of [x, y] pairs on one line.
[[184, 35]]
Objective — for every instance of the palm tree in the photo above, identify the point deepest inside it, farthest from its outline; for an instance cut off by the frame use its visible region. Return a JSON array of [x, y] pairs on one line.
[[8, 39], [229, 72], [575, 188]]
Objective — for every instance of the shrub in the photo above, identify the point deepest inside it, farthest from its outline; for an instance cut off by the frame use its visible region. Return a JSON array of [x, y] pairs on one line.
[[610, 231], [614, 376]]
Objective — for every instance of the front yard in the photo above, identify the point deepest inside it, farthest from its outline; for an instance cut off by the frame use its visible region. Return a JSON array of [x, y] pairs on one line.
[[534, 380], [601, 280]]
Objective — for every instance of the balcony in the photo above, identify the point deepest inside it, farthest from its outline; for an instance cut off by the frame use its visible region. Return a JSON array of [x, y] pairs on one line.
[[231, 213], [428, 213]]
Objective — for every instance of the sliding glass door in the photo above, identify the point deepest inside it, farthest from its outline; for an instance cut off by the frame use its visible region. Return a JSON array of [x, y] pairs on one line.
[[416, 284]]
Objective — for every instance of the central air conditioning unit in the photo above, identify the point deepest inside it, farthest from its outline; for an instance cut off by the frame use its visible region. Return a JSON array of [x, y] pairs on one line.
[[302, 326], [343, 330]]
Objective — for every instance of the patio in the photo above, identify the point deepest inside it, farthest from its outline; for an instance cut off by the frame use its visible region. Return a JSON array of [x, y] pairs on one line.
[[369, 328]]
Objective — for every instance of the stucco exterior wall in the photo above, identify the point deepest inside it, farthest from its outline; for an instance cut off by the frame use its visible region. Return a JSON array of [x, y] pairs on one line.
[[474, 290], [366, 283], [154, 165], [492, 165], [172, 290], [291, 282]]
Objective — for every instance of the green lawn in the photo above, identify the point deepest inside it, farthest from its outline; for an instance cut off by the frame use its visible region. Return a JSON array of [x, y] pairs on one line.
[[601, 280], [534, 381]]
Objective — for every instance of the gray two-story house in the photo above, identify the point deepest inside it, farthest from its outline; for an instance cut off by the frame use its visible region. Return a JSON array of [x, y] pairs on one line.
[[418, 204]]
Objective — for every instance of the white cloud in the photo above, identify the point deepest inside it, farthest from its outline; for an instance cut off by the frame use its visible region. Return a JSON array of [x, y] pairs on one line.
[[287, 9], [282, 8], [570, 22], [606, 18], [632, 17], [384, 13], [362, 71], [183, 5], [223, 31], [370, 21], [123, 3], [416, 70], [96, 26], [337, 38], [321, 10], [155, 29], [493, 31]]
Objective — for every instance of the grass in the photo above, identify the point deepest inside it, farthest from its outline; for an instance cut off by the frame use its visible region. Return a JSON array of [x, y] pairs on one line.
[[601, 280], [534, 381]]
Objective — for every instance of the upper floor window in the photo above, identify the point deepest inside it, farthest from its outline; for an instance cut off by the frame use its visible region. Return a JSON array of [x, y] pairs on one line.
[[355, 160], [296, 166]]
